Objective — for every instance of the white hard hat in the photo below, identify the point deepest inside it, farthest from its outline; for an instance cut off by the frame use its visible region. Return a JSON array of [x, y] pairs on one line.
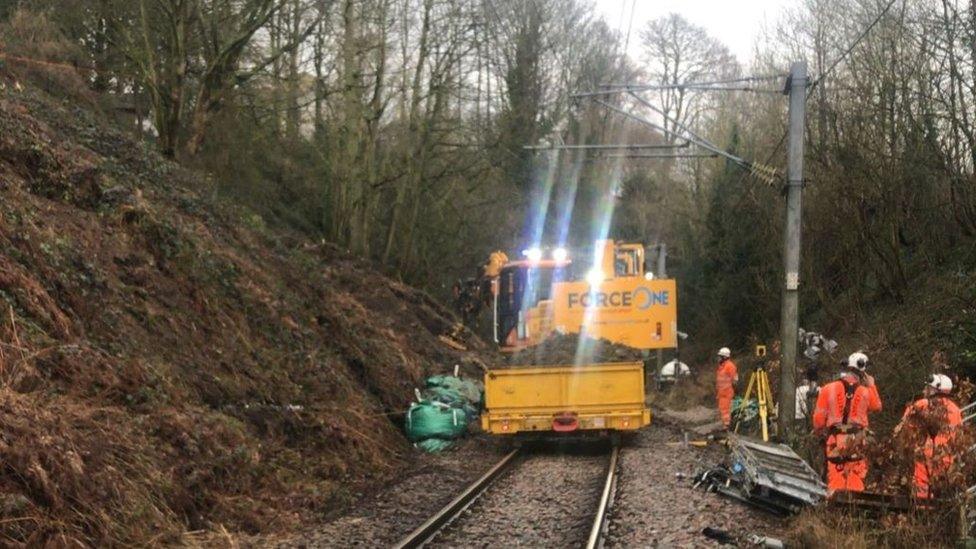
[[940, 382], [858, 361], [724, 352]]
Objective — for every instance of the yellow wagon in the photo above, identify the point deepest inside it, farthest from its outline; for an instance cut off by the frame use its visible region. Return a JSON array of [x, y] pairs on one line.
[[593, 398]]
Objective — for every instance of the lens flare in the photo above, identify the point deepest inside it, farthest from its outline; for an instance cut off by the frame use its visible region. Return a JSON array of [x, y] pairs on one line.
[[533, 254]]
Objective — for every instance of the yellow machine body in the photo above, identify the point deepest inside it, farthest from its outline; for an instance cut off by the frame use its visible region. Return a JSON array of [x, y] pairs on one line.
[[630, 311], [620, 305], [567, 398], [617, 300]]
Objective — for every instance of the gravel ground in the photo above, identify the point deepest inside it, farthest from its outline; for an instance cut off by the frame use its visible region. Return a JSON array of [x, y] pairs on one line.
[[656, 507], [382, 518], [548, 500]]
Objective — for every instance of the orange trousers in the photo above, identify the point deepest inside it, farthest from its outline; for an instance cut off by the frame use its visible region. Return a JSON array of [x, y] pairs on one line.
[[843, 474], [724, 399], [931, 468], [848, 475]]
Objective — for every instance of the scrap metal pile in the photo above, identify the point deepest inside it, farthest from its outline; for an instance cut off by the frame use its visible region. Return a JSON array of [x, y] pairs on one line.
[[767, 475]]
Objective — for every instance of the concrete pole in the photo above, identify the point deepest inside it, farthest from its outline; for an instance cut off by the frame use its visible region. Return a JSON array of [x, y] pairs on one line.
[[789, 320]]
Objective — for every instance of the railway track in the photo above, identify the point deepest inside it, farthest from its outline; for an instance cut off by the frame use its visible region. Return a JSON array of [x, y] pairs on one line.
[[601, 520], [432, 528]]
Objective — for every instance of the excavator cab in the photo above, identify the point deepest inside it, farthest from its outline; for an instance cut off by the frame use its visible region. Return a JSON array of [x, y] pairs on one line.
[[523, 301], [628, 260]]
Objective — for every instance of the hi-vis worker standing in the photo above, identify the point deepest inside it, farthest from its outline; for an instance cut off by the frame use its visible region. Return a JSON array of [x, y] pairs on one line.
[[842, 415], [935, 419], [726, 376]]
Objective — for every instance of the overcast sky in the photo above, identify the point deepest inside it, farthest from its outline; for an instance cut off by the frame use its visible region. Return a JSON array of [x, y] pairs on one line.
[[735, 23]]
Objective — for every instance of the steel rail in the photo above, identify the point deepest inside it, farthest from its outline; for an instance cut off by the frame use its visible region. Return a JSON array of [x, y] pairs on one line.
[[426, 531], [600, 523]]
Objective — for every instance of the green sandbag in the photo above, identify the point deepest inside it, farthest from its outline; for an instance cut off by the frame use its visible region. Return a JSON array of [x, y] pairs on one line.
[[447, 396], [434, 445], [456, 391], [469, 390], [428, 419], [453, 399]]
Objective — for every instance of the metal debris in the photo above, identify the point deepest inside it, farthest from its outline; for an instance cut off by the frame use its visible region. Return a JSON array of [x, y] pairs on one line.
[[766, 542], [767, 475]]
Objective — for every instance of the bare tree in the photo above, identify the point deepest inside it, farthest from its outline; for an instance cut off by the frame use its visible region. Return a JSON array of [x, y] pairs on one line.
[[678, 52], [189, 53]]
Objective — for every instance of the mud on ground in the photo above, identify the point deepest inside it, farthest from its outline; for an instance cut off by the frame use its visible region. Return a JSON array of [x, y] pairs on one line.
[[572, 349]]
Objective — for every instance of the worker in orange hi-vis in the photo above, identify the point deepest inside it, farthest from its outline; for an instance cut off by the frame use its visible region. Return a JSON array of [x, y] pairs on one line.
[[726, 376], [935, 419], [841, 415]]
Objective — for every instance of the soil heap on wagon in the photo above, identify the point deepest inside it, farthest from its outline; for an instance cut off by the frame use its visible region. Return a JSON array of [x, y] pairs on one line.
[[574, 345]]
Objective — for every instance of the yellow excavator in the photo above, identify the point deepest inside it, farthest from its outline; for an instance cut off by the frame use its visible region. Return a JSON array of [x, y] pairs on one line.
[[618, 299]]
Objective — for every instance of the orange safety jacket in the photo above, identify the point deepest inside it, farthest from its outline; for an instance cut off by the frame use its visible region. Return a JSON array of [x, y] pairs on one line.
[[843, 405], [953, 419], [725, 377]]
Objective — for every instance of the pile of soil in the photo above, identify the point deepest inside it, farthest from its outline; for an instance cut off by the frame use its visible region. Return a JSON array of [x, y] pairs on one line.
[[170, 364], [573, 349]]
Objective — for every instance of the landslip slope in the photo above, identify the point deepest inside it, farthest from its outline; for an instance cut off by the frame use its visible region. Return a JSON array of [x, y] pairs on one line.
[[167, 363]]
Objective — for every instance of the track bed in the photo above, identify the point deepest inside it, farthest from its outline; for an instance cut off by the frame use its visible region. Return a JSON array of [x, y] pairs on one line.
[[548, 499]]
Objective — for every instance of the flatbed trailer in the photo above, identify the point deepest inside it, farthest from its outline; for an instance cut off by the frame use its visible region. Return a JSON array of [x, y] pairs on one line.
[[590, 398]]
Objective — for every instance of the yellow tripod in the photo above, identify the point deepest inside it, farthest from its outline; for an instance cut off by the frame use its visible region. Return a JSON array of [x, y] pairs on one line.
[[759, 381]]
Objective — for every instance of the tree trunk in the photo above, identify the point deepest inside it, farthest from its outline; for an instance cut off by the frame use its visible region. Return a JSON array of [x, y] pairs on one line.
[[413, 135], [166, 77], [346, 177], [318, 51], [293, 114]]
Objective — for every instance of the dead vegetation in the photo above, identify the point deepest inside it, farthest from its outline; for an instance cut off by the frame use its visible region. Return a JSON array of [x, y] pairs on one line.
[[849, 529], [167, 364]]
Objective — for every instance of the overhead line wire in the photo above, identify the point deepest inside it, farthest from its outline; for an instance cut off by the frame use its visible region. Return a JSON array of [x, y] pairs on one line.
[[853, 45], [616, 88], [759, 78], [831, 68]]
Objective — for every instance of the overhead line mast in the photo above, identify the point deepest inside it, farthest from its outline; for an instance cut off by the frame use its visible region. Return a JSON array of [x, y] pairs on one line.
[[789, 316]]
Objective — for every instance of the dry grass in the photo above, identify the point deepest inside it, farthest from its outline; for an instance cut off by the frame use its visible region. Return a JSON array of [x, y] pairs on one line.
[[699, 390], [841, 528], [35, 52]]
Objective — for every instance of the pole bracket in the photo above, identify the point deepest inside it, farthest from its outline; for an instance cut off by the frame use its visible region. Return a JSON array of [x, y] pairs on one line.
[[802, 183]]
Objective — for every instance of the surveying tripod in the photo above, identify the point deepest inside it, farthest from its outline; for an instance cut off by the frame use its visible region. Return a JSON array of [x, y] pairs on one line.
[[759, 382]]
